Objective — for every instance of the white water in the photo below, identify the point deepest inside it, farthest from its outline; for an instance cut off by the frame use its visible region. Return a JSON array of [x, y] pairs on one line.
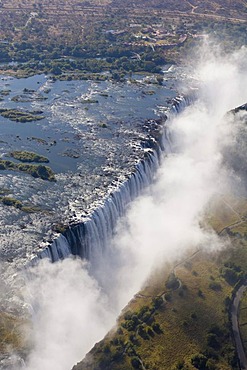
[[90, 239], [71, 310]]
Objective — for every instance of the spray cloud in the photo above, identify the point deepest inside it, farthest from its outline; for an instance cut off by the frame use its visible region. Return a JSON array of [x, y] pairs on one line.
[[71, 310]]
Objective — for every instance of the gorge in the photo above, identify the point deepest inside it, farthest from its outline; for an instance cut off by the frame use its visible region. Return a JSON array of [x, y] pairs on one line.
[[74, 303]]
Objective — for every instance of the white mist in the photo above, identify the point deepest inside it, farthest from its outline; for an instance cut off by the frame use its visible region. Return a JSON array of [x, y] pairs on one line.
[[71, 311]]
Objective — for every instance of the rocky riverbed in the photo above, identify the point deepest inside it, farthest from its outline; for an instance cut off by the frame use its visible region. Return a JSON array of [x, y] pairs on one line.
[[93, 134]]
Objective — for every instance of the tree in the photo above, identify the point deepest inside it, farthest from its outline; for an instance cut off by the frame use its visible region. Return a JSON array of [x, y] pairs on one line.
[[172, 282], [199, 361], [212, 341], [135, 362], [230, 275]]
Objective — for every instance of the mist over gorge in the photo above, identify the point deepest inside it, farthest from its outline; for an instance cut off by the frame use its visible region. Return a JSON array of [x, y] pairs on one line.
[[74, 305], [123, 190]]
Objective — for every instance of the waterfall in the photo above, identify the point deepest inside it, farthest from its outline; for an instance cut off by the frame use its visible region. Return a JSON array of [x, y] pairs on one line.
[[90, 238], [181, 102]]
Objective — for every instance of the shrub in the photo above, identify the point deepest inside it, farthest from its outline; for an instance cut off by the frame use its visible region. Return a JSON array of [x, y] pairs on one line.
[[120, 331], [117, 354], [227, 302], [147, 317], [230, 275], [134, 339], [215, 286], [210, 365], [25, 156], [157, 302], [135, 362], [199, 361], [179, 365], [142, 331], [215, 329], [107, 349], [212, 341], [200, 293], [172, 282], [156, 327], [127, 315], [130, 325], [150, 332], [168, 297], [11, 202]]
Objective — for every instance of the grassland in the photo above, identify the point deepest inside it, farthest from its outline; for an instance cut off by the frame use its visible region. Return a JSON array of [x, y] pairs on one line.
[[80, 40], [177, 330], [185, 326], [179, 319]]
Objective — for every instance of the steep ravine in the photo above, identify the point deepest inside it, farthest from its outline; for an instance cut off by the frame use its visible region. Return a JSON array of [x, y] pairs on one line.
[[160, 316], [90, 237]]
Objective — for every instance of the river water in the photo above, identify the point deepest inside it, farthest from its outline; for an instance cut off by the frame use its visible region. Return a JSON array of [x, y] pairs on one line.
[[92, 135]]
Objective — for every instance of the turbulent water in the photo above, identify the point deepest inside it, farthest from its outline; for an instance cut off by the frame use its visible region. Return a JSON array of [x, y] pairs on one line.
[[110, 154], [94, 135]]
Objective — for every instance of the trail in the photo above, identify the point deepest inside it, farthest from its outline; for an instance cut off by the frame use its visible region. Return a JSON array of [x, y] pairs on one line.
[[234, 224], [235, 327]]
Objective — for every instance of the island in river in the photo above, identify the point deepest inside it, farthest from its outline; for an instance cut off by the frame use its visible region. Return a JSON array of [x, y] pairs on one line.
[[91, 135], [90, 115]]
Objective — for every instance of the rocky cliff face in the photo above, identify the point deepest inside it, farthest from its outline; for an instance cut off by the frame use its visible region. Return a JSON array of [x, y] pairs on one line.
[[127, 345], [235, 156]]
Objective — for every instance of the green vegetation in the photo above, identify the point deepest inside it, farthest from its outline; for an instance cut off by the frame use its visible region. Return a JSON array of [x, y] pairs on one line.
[[5, 92], [27, 97], [243, 319], [119, 39], [170, 324], [37, 171], [25, 156], [38, 140], [28, 208], [20, 116], [172, 282], [232, 273], [4, 191], [11, 202], [183, 332], [90, 101], [6, 200], [148, 92], [181, 319]]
